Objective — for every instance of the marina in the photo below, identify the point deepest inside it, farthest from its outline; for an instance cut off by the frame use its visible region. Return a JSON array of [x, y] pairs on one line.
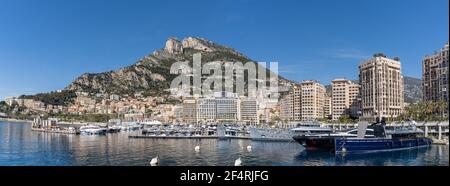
[[20, 145], [437, 131]]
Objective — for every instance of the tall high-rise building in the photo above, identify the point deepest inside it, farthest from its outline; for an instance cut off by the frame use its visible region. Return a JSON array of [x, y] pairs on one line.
[[435, 76], [382, 90], [345, 94], [312, 100]]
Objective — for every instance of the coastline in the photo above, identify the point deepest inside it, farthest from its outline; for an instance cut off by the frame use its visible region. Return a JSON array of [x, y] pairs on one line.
[[15, 120]]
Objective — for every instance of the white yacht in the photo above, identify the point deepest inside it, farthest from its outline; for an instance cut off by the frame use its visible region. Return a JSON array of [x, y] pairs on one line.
[[151, 127], [130, 126], [311, 129], [151, 122], [92, 129]]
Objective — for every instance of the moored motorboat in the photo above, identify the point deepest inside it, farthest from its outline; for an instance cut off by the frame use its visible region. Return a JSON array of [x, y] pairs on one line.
[[92, 130], [130, 126], [306, 129], [114, 129], [326, 141], [405, 137], [375, 137]]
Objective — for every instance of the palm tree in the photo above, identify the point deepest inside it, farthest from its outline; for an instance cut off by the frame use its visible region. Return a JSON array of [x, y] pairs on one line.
[[441, 106]]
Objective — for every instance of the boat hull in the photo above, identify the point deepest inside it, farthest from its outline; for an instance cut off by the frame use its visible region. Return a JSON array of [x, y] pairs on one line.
[[354, 145], [94, 131], [313, 143]]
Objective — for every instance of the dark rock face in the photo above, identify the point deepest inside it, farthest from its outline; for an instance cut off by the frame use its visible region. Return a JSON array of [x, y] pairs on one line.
[[413, 89]]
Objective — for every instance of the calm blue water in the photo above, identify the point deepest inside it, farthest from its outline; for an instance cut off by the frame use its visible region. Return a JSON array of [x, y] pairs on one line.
[[21, 146]]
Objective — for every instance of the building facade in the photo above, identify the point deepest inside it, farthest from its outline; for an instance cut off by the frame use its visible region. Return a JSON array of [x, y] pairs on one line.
[[206, 110], [312, 100], [345, 96], [286, 107], [190, 110], [327, 107], [227, 109], [435, 76], [297, 103], [382, 88], [249, 111]]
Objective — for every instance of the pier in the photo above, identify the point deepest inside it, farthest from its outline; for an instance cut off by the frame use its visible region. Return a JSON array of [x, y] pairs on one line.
[[53, 130], [51, 125], [173, 137], [192, 137]]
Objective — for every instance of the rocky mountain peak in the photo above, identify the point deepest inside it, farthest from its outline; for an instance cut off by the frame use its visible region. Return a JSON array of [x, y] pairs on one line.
[[198, 44], [173, 46], [151, 74]]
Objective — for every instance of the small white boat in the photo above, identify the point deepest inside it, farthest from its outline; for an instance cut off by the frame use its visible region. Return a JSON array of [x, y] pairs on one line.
[[114, 128], [197, 148], [152, 122], [92, 129]]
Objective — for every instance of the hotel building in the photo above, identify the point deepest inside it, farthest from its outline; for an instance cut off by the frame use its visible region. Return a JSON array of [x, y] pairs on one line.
[[227, 107], [221, 107], [249, 111], [381, 82], [206, 110]]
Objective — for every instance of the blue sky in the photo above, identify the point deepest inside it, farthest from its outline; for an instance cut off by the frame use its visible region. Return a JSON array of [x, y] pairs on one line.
[[46, 44]]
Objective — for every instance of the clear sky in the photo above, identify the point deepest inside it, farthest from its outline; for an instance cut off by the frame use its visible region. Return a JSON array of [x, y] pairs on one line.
[[46, 44]]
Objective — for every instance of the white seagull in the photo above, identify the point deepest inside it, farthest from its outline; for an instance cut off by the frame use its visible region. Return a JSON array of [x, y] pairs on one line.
[[155, 161], [238, 162]]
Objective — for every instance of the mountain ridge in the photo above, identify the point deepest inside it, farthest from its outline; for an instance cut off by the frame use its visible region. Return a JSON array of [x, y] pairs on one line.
[[151, 74]]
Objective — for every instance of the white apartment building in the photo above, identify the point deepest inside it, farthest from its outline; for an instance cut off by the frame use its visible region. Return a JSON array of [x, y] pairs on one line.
[[227, 109], [345, 95], [286, 107], [312, 100], [206, 110]]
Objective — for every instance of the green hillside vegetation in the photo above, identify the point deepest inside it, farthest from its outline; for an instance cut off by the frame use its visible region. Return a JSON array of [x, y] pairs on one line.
[[64, 97]]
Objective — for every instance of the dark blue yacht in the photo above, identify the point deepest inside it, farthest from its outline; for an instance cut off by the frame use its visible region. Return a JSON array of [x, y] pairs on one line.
[[374, 138]]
